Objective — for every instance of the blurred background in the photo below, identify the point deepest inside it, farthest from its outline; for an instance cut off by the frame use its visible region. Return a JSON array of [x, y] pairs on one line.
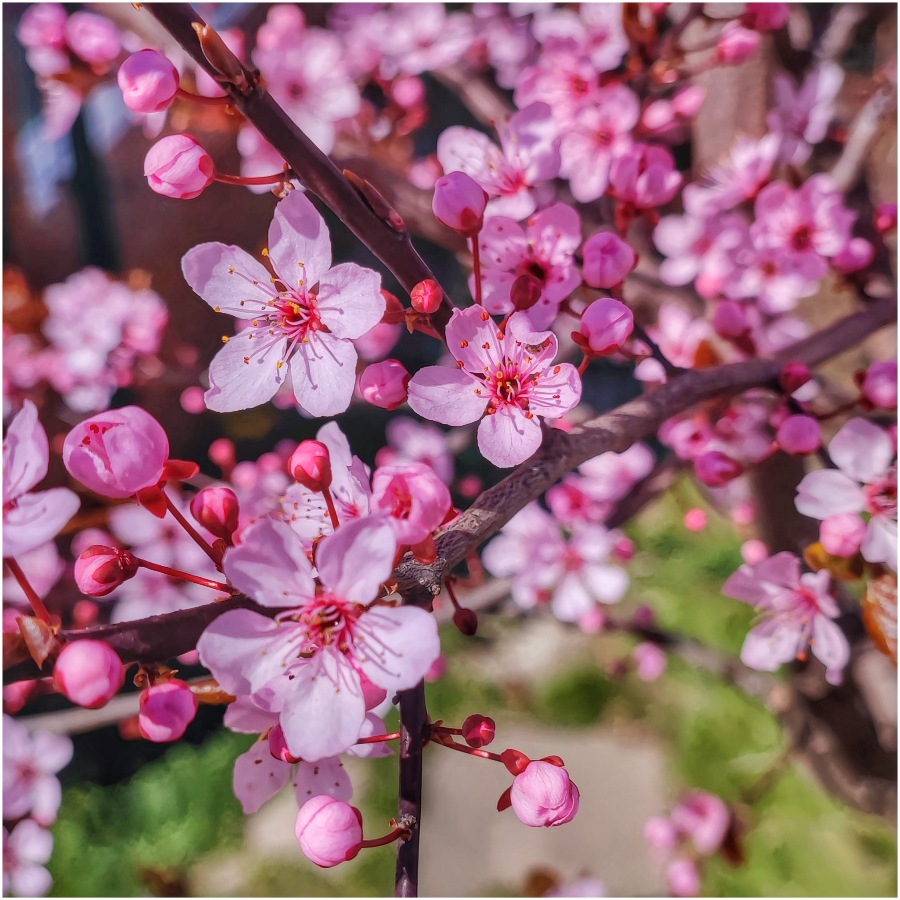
[[141, 819]]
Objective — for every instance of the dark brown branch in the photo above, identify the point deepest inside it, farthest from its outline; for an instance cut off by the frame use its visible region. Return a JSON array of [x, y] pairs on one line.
[[413, 730], [389, 242]]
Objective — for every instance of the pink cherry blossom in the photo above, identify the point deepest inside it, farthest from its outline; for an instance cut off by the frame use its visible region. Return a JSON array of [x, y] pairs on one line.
[[26, 850], [413, 497], [528, 156], [799, 434], [329, 831], [507, 377], [30, 519], [865, 481], [797, 613], [842, 534], [606, 325], [543, 795], [307, 663], [683, 877], [879, 386], [30, 764], [166, 710], [544, 249], [650, 661], [304, 321], [384, 383], [644, 176], [117, 453], [93, 38], [704, 818], [596, 30], [607, 259], [736, 44]]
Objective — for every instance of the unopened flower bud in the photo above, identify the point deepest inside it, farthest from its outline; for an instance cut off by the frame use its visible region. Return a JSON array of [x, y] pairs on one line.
[[544, 795], [688, 100], [148, 81], [765, 16], [466, 621], [459, 203], [310, 464], [329, 831], [607, 260], [92, 38], [695, 520], [842, 534], [857, 254], [885, 215], [793, 376], [684, 878], [714, 468], [650, 661], [736, 44], [799, 435], [89, 673], [879, 386], [177, 166], [606, 325], [166, 711], [478, 731], [525, 291], [624, 549], [216, 509], [730, 320], [427, 296], [384, 383], [100, 570], [660, 834]]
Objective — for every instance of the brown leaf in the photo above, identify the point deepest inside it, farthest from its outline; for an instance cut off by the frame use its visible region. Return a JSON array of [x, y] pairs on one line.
[[879, 610], [39, 638]]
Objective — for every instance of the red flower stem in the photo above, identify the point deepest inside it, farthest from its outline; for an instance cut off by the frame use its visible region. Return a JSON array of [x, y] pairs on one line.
[[184, 576], [387, 839], [443, 729], [196, 537], [36, 603], [199, 98], [277, 178], [584, 364], [476, 265], [448, 584], [332, 512], [380, 738], [462, 748]]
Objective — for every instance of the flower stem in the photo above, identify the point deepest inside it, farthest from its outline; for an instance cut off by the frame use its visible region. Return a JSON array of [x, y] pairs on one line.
[[36, 603], [199, 98], [184, 576], [389, 838], [332, 511], [476, 265], [463, 748], [196, 537], [276, 178]]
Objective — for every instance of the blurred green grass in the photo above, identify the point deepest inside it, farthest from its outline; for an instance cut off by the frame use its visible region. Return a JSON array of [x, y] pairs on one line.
[[145, 835]]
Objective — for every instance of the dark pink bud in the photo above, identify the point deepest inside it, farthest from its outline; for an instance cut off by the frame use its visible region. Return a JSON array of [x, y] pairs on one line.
[[89, 673], [329, 831], [384, 383], [793, 376], [216, 509], [624, 549], [100, 570], [166, 711], [730, 320], [177, 166], [765, 16], [715, 469], [310, 464], [736, 44], [544, 795], [799, 435], [606, 325], [607, 260], [879, 386], [466, 621], [278, 746], [857, 254], [148, 82], [459, 203], [525, 291], [92, 38], [478, 731], [688, 100], [885, 215], [427, 296]]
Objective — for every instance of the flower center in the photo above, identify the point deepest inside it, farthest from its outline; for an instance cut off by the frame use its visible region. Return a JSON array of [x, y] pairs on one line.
[[881, 496], [329, 621]]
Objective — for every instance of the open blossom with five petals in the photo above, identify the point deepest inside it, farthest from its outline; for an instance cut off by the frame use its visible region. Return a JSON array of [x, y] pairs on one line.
[[304, 319], [30, 519], [308, 663], [797, 611], [528, 155], [507, 377], [864, 483]]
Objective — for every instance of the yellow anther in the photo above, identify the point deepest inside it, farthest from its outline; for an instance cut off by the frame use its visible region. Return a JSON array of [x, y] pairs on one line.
[[225, 339]]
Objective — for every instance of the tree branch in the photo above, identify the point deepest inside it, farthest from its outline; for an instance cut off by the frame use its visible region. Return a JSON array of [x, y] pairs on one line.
[[413, 730]]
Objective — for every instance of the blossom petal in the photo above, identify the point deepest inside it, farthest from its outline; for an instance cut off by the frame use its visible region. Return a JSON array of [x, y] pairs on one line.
[[299, 243], [350, 301], [270, 566], [474, 340], [326, 777], [557, 391], [245, 373], [880, 544], [829, 643], [356, 559], [507, 437], [26, 453], [229, 279], [828, 492], [36, 518], [258, 776], [769, 645], [446, 395], [323, 371], [862, 450], [398, 645]]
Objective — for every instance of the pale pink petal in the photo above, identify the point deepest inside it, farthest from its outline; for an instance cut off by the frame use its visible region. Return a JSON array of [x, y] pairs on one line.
[[46, 798], [354, 560], [607, 584], [531, 143], [26, 453], [558, 390], [325, 711], [829, 644], [327, 777], [228, 279], [350, 301], [446, 395], [880, 544], [270, 566], [503, 243], [323, 371], [474, 340], [36, 518], [769, 645], [462, 149], [398, 645], [245, 373], [245, 717], [258, 776], [828, 492], [507, 438], [862, 450], [52, 752], [374, 725], [31, 842], [299, 243], [571, 600]]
